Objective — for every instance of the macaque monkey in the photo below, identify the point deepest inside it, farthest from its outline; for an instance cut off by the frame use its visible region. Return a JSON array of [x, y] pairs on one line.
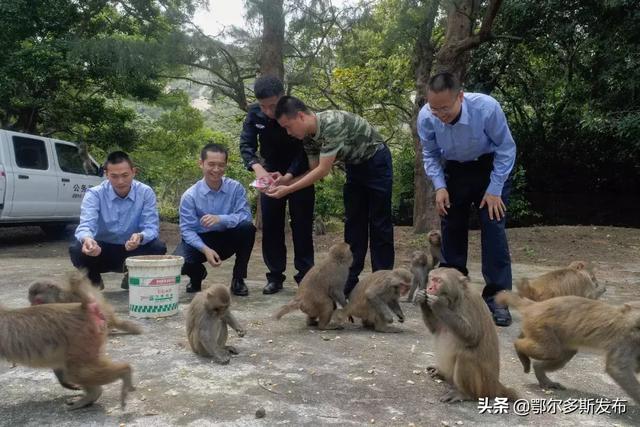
[[321, 288], [577, 279], [435, 247], [83, 152], [47, 291], [68, 338], [466, 341], [554, 330], [421, 264], [375, 299], [207, 319]]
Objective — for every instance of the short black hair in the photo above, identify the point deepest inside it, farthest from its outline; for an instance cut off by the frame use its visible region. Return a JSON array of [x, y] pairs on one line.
[[268, 86], [289, 106], [444, 81], [214, 148], [116, 157]]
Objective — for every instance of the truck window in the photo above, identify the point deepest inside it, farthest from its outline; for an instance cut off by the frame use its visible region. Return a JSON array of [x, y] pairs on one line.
[[70, 160], [30, 153]]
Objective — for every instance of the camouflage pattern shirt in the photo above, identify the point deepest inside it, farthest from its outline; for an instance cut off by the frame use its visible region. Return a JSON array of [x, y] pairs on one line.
[[345, 135]]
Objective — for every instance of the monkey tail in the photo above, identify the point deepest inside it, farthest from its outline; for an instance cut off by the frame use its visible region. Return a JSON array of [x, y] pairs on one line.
[[126, 325], [292, 305], [512, 300], [507, 392], [525, 290], [80, 285]]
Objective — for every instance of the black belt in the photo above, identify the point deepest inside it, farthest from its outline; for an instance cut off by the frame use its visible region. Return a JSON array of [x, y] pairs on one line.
[[484, 162]]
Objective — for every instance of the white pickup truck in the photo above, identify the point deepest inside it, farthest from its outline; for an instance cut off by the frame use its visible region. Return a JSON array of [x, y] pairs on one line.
[[43, 181]]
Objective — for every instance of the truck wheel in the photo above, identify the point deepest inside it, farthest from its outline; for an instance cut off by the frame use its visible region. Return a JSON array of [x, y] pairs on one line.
[[55, 230]]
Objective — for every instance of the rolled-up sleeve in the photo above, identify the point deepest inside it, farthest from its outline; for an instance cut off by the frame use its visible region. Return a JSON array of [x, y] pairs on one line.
[[189, 223], [149, 219], [505, 153], [89, 213], [431, 153]]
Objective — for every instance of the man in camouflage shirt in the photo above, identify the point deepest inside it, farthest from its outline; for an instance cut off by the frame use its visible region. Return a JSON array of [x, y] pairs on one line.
[[338, 135]]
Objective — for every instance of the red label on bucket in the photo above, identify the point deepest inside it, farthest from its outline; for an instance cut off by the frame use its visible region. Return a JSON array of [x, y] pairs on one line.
[[162, 281]]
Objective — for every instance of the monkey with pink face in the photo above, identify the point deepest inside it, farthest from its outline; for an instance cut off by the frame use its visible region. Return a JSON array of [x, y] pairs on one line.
[[466, 342]]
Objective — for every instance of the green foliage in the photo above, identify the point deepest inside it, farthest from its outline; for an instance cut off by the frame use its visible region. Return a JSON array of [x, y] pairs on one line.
[[329, 200]]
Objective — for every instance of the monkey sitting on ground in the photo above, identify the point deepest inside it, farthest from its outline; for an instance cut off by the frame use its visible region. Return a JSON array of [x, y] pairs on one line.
[[47, 291], [69, 338], [375, 299], [434, 237], [554, 330], [466, 341], [321, 288], [577, 279], [207, 319], [421, 264]]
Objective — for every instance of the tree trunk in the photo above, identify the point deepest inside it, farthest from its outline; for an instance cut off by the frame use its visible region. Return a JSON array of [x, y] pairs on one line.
[[271, 58], [453, 57], [425, 217]]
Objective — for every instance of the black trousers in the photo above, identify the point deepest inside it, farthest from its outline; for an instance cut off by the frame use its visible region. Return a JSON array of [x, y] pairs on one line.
[[466, 184], [112, 257], [274, 249], [238, 241], [367, 205]]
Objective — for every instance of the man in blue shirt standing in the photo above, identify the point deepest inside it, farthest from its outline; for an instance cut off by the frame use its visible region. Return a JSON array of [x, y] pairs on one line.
[[118, 219], [468, 154], [215, 223]]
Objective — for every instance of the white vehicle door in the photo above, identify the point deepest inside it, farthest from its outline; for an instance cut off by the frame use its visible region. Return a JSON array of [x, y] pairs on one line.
[[76, 175], [35, 189]]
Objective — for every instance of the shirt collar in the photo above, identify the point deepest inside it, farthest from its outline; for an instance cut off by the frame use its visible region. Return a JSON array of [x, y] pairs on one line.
[[318, 128], [113, 195], [464, 117], [204, 189]]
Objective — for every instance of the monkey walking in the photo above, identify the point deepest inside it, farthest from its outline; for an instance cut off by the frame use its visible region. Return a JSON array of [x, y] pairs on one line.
[[207, 320], [47, 291], [577, 279], [375, 299], [466, 341], [69, 338], [554, 330], [321, 288]]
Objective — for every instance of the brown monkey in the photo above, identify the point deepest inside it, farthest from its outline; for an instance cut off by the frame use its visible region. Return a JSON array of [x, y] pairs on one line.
[[435, 247], [421, 264], [322, 287], [69, 338], [466, 342], [554, 330], [207, 320], [47, 291], [577, 279], [375, 299]]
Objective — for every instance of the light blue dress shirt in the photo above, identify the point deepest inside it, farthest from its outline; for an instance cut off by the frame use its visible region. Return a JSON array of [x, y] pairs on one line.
[[229, 203], [107, 217], [481, 129]]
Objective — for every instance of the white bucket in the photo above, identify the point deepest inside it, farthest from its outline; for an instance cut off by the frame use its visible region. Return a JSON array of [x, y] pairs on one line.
[[154, 285]]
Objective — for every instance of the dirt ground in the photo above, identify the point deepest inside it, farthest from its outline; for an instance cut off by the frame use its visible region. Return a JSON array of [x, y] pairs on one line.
[[302, 376]]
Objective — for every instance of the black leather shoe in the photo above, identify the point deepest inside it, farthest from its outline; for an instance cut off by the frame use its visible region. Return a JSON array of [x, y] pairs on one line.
[[239, 288], [125, 281], [272, 288], [192, 288], [500, 313]]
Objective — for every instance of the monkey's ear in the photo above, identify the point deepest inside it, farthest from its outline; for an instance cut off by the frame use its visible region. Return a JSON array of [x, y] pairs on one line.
[[579, 265], [464, 280]]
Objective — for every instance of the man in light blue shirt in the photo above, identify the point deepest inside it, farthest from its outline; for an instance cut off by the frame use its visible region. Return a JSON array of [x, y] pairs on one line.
[[118, 219], [215, 223], [468, 154]]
